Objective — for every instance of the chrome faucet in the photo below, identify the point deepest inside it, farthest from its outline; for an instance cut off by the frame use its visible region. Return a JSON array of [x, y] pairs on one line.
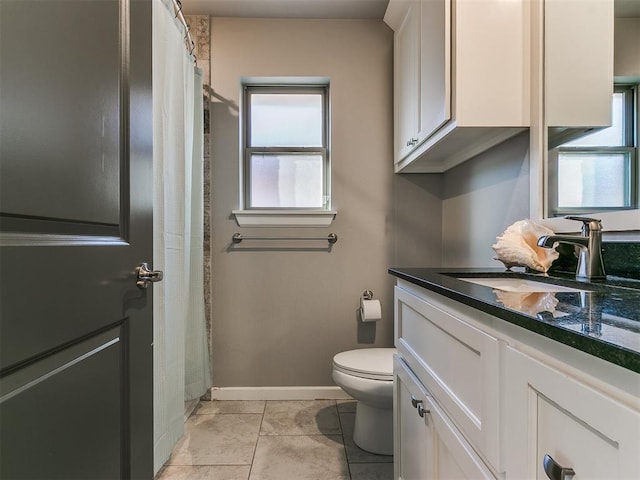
[[590, 264]]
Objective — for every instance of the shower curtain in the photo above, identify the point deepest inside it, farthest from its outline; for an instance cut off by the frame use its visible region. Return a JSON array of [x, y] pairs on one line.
[[181, 356]]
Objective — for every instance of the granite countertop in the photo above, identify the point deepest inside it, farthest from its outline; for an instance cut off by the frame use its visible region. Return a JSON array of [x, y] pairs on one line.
[[602, 320]]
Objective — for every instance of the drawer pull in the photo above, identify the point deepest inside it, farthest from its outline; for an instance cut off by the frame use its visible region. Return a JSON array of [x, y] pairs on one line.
[[554, 471], [422, 411], [415, 402]]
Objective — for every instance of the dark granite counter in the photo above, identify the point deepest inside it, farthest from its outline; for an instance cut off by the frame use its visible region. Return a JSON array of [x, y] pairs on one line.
[[603, 319]]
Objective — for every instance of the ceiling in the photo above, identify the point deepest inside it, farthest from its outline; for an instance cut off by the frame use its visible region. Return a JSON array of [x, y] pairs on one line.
[[287, 8], [323, 8]]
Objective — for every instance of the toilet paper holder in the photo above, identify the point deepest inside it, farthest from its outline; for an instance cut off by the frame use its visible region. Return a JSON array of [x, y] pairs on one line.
[[370, 310]]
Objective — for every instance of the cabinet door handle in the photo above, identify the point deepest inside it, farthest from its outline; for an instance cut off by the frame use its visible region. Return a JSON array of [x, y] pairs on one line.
[[415, 402], [554, 471], [422, 411]]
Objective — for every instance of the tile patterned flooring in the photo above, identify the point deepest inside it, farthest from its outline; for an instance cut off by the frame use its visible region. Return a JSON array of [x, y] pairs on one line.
[[273, 440]]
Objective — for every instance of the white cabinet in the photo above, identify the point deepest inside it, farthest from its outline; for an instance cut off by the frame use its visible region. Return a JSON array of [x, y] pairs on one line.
[[407, 78], [469, 87], [427, 444], [497, 398], [412, 438], [421, 72], [435, 66], [578, 73], [458, 364], [579, 427]]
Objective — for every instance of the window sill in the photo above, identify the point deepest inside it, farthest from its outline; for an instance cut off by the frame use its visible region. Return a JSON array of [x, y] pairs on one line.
[[284, 218]]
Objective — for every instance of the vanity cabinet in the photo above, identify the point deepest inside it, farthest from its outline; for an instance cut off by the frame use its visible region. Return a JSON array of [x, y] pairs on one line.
[[558, 415], [478, 397], [457, 365], [461, 79]]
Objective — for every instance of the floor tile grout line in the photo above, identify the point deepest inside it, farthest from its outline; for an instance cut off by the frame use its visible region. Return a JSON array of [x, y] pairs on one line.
[[344, 442], [255, 448]]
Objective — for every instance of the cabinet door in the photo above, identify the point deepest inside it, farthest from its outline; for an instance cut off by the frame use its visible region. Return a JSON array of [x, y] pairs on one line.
[[551, 413], [579, 73], [454, 458], [407, 77], [427, 444], [413, 442], [435, 66]]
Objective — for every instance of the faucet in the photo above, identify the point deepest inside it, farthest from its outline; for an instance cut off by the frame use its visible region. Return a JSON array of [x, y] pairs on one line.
[[590, 264]]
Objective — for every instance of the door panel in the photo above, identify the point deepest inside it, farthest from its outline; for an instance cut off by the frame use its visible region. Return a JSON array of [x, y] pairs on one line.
[[48, 388], [61, 92], [76, 362]]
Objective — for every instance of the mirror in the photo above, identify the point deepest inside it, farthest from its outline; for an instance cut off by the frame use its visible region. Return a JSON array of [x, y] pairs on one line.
[[591, 163]]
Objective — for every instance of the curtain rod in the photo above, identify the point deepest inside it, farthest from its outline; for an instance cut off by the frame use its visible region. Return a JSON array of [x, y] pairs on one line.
[[191, 46]]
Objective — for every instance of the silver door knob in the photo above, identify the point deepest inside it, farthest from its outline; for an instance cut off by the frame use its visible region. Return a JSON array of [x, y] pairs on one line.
[[144, 275]]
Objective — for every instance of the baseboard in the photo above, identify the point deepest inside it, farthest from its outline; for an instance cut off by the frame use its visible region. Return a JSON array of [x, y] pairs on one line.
[[278, 393]]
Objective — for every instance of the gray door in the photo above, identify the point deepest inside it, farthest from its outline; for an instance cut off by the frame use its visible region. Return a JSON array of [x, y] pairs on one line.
[[75, 221]]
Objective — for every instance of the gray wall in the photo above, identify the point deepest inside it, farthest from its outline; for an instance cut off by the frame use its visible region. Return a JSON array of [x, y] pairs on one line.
[[280, 316], [480, 199]]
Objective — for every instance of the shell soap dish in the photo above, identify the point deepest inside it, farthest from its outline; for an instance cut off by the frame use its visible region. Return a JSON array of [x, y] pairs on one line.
[[518, 246]]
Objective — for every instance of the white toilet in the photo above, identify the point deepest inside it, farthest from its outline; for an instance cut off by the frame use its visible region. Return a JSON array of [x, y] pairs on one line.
[[367, 375]]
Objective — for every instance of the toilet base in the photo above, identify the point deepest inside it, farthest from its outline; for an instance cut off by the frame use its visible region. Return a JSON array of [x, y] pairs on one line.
[[374, 429]]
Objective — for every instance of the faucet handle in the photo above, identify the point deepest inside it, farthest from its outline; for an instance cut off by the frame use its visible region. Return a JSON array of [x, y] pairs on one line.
[[588, 224]]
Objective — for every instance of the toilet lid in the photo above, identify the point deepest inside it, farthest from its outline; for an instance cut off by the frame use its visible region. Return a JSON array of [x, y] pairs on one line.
[[367, 362]]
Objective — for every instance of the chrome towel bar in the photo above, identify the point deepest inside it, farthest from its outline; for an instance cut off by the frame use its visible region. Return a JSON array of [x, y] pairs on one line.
[[238, 237]]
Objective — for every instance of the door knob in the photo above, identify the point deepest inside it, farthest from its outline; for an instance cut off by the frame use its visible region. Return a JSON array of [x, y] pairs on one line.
[[144, 275]]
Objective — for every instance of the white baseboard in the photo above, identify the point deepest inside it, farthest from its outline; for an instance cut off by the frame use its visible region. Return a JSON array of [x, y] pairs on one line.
[[278, 393]]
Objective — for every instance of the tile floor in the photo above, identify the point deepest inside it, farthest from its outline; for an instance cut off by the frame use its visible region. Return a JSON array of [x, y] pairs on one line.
[[273, 440]]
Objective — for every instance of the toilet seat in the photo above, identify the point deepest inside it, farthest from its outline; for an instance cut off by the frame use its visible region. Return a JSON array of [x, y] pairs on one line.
[[371, 363]]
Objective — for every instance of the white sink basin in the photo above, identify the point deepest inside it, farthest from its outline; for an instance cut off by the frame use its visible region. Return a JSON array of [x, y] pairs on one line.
[[519, 285]]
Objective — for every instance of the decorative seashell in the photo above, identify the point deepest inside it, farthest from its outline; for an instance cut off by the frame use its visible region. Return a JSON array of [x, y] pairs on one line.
[[518, 246], [530, 303]]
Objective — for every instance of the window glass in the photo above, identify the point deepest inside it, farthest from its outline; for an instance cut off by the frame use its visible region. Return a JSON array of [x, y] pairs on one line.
[[593, 180], [286, 181], [286, 120]]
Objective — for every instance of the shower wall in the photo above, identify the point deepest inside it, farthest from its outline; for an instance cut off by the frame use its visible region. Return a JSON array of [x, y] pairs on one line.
[[199, 26]]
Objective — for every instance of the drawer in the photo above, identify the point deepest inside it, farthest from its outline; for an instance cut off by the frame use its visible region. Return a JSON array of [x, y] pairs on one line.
[[458, 363]]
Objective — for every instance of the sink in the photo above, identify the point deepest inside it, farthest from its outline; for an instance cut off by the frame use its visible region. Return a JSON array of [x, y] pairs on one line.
[[519, 285]]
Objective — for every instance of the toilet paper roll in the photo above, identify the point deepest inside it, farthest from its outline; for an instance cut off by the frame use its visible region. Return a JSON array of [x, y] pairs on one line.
[[370, 310]]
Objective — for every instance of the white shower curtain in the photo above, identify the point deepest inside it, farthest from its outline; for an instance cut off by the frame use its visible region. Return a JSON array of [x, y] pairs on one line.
[[181, 357]]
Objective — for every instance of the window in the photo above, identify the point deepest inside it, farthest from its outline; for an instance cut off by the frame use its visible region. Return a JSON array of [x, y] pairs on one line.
[[599, 171], [286, 154]]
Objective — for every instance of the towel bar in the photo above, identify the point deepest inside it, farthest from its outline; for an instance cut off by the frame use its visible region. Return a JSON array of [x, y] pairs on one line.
[[238, 237]]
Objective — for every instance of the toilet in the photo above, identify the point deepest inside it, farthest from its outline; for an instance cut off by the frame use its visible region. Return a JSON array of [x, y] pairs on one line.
[[367, 375]]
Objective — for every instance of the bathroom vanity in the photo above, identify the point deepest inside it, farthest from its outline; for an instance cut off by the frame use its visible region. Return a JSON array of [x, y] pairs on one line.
[[512, 375]]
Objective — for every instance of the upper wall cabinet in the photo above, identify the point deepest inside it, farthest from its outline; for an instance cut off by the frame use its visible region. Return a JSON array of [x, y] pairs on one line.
[[578, 66], [461, 79]]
